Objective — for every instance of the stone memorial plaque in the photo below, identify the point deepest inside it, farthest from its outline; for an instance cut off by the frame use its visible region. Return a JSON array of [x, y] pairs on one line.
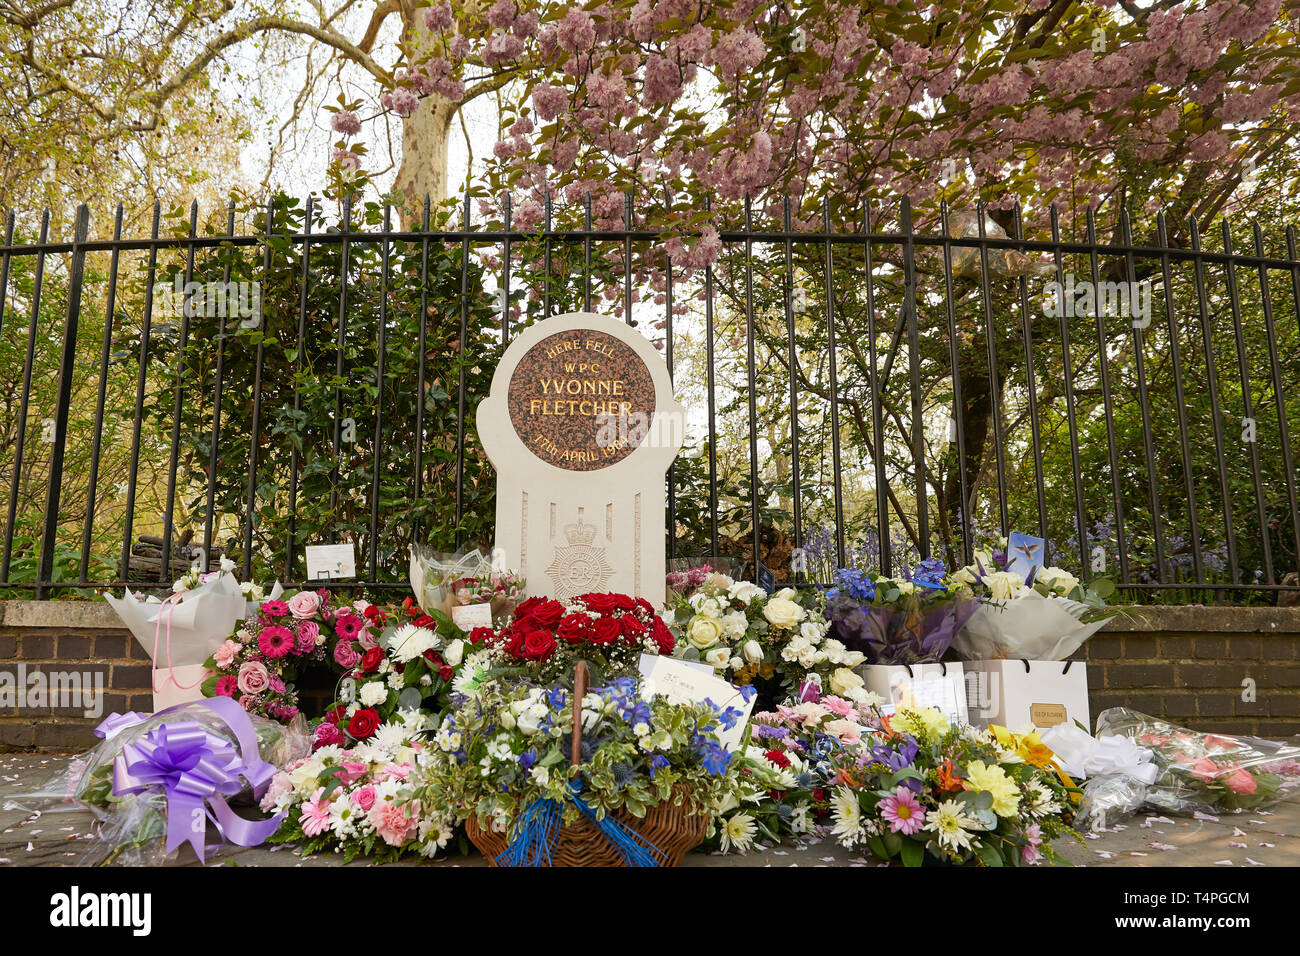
[[581, 425], [579, 400]]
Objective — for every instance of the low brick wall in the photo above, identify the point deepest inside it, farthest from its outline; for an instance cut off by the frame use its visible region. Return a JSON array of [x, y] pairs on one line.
[[80, 637], [1198, 666], [1184, 663]]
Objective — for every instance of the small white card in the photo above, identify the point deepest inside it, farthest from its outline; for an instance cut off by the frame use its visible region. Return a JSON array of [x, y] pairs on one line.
[[684, 682], [647, 662], [332, 562], [469, 616]]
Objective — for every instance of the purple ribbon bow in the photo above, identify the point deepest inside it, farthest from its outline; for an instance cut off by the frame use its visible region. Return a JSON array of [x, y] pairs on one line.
[[197, 770]]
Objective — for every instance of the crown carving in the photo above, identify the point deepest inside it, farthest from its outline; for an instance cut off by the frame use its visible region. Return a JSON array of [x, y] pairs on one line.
[[580, 532]]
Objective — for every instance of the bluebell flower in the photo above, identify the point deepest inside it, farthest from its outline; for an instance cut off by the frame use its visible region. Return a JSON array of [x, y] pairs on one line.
[[656, 762], [526, 760], [929, 573]]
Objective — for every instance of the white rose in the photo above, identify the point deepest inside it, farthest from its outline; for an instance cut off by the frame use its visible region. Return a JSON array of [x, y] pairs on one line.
[[752, 651], [1058, 580], [373, 693], [812, 631], [718, 657], [744, 591], [965, 576], [1004, 585], [844, 680], [703, 632], [454, 653], [528, 722], [786, 594], [782, 612], [735, 624]]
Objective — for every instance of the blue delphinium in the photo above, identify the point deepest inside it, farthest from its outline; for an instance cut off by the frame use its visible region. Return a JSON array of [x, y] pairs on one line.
[[929, 573], [854, 584]]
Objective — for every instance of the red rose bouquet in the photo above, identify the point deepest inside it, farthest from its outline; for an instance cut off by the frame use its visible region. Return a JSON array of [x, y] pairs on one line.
[[610, 632]]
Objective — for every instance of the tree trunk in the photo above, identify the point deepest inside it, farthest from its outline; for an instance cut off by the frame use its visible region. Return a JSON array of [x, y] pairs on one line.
[[423, 170]]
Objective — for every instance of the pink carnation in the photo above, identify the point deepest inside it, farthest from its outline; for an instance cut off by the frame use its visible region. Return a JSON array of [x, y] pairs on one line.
[[395, 823], [225, 654]]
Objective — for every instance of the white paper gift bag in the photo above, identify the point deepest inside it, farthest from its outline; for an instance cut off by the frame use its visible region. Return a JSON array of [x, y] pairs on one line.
[[939, 685], [1016, 694], [181, 631]]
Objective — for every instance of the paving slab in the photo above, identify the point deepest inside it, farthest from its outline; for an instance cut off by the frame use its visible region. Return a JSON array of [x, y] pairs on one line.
[[1271, 837]]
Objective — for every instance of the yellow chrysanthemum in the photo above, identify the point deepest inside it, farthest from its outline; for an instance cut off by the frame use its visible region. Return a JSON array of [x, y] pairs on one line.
[[991, 777], [923, 722]]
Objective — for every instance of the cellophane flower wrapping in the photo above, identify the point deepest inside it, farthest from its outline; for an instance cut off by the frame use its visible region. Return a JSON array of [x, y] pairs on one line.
[[1029, 626], [445, 581], [910, 620], [1212, 773], [130, 829]]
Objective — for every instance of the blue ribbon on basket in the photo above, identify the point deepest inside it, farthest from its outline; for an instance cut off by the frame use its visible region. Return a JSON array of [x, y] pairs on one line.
[[539, 827]]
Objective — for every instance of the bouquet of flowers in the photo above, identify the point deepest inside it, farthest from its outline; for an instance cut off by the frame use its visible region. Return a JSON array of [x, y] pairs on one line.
[[508, 748], [1027, 610], [608, 631], [1208, 772], [411, 664], [927, 787], [785, 773], [154, 777], [182, 629], [909, 620], [447, 581], [749, 636], [361, 800], [257, 665]]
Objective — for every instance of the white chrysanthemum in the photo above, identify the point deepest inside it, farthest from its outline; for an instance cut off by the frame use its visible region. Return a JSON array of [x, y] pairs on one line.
[[846, 816], [951, 825], [373, 693], [409, 642], [345, 819], [737, 832]]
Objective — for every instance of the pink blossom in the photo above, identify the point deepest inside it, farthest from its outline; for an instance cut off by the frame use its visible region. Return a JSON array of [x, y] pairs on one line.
[[438, 19], [577, 32], [308, 632], [549, 101], [363, 798], [501, 14], [401, 101], [226, 686], [345, 122]]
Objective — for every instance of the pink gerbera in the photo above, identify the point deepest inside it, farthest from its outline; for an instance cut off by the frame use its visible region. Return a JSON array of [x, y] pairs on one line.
[[275, 641], [226, 686], [274, 608], [347, 626], [315, 817], [903, 812]]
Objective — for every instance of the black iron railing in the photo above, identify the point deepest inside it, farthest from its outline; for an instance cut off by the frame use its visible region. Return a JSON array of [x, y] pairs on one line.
[[868, 393]]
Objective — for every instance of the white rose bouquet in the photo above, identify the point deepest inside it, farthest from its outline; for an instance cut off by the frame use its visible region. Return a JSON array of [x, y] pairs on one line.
[[750, 637], [1046, 617]]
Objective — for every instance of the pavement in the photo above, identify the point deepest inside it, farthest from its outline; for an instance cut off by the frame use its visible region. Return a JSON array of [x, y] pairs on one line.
[[29, 837]]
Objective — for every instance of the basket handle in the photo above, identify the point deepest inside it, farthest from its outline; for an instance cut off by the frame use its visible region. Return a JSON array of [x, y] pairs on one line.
[[579, 692]]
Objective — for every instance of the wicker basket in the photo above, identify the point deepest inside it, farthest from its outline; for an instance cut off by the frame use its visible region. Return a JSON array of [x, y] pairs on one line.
[[669, 826]]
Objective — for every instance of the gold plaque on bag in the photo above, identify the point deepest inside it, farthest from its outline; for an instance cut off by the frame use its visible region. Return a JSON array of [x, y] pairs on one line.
[[1047, 715]]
